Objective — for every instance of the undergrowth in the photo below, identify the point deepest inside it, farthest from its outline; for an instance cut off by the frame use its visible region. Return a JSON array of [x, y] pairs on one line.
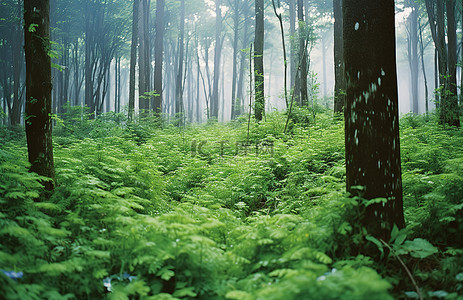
[[217, 212]]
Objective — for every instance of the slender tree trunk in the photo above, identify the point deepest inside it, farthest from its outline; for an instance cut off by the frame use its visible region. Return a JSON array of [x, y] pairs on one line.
[[259, 103], [372, 114], [38, 89]]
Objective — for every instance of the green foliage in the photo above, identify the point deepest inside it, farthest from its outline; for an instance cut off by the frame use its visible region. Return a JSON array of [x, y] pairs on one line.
[[144, 212]]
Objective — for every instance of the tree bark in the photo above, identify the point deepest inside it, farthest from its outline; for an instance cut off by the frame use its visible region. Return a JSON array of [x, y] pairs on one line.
[[38, 89], [372, 112]]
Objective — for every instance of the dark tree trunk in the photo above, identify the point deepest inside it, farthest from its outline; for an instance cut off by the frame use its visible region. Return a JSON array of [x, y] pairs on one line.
[[38, 89], [339, 85], [133, 58], [259, 104], [371, 112], [158, 56]]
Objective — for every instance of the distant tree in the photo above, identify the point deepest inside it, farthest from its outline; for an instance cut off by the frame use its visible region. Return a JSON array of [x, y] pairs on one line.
[[371, 112], [38, 88], [259, 104]]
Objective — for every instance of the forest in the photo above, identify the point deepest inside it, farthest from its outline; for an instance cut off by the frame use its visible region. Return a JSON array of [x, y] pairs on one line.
[[231, 149]]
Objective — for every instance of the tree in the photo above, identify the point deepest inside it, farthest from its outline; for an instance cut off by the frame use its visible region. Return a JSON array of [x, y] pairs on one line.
[[38, 88], [158, 56], [339, 85], [259, 61], [371, 112]]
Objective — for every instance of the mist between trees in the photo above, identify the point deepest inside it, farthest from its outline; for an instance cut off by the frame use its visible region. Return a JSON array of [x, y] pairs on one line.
[[193, 57]]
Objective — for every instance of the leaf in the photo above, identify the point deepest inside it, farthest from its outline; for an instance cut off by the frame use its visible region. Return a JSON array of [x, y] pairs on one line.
[[419, 248], [166, 273], [413, 295], [438, 294], [239, 295], [376, 242], [189, 291], [33, 27]]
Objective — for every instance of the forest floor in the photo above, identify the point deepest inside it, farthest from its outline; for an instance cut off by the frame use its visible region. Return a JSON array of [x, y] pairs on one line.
[[216, 211]]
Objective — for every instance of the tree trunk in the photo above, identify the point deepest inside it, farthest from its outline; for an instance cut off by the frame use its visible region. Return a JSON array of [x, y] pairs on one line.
[[259, 103], [38, 89], [339, 84], [371, 112]]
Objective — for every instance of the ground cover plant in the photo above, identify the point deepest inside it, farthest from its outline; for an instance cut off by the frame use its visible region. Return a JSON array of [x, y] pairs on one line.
[[216, 211]]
